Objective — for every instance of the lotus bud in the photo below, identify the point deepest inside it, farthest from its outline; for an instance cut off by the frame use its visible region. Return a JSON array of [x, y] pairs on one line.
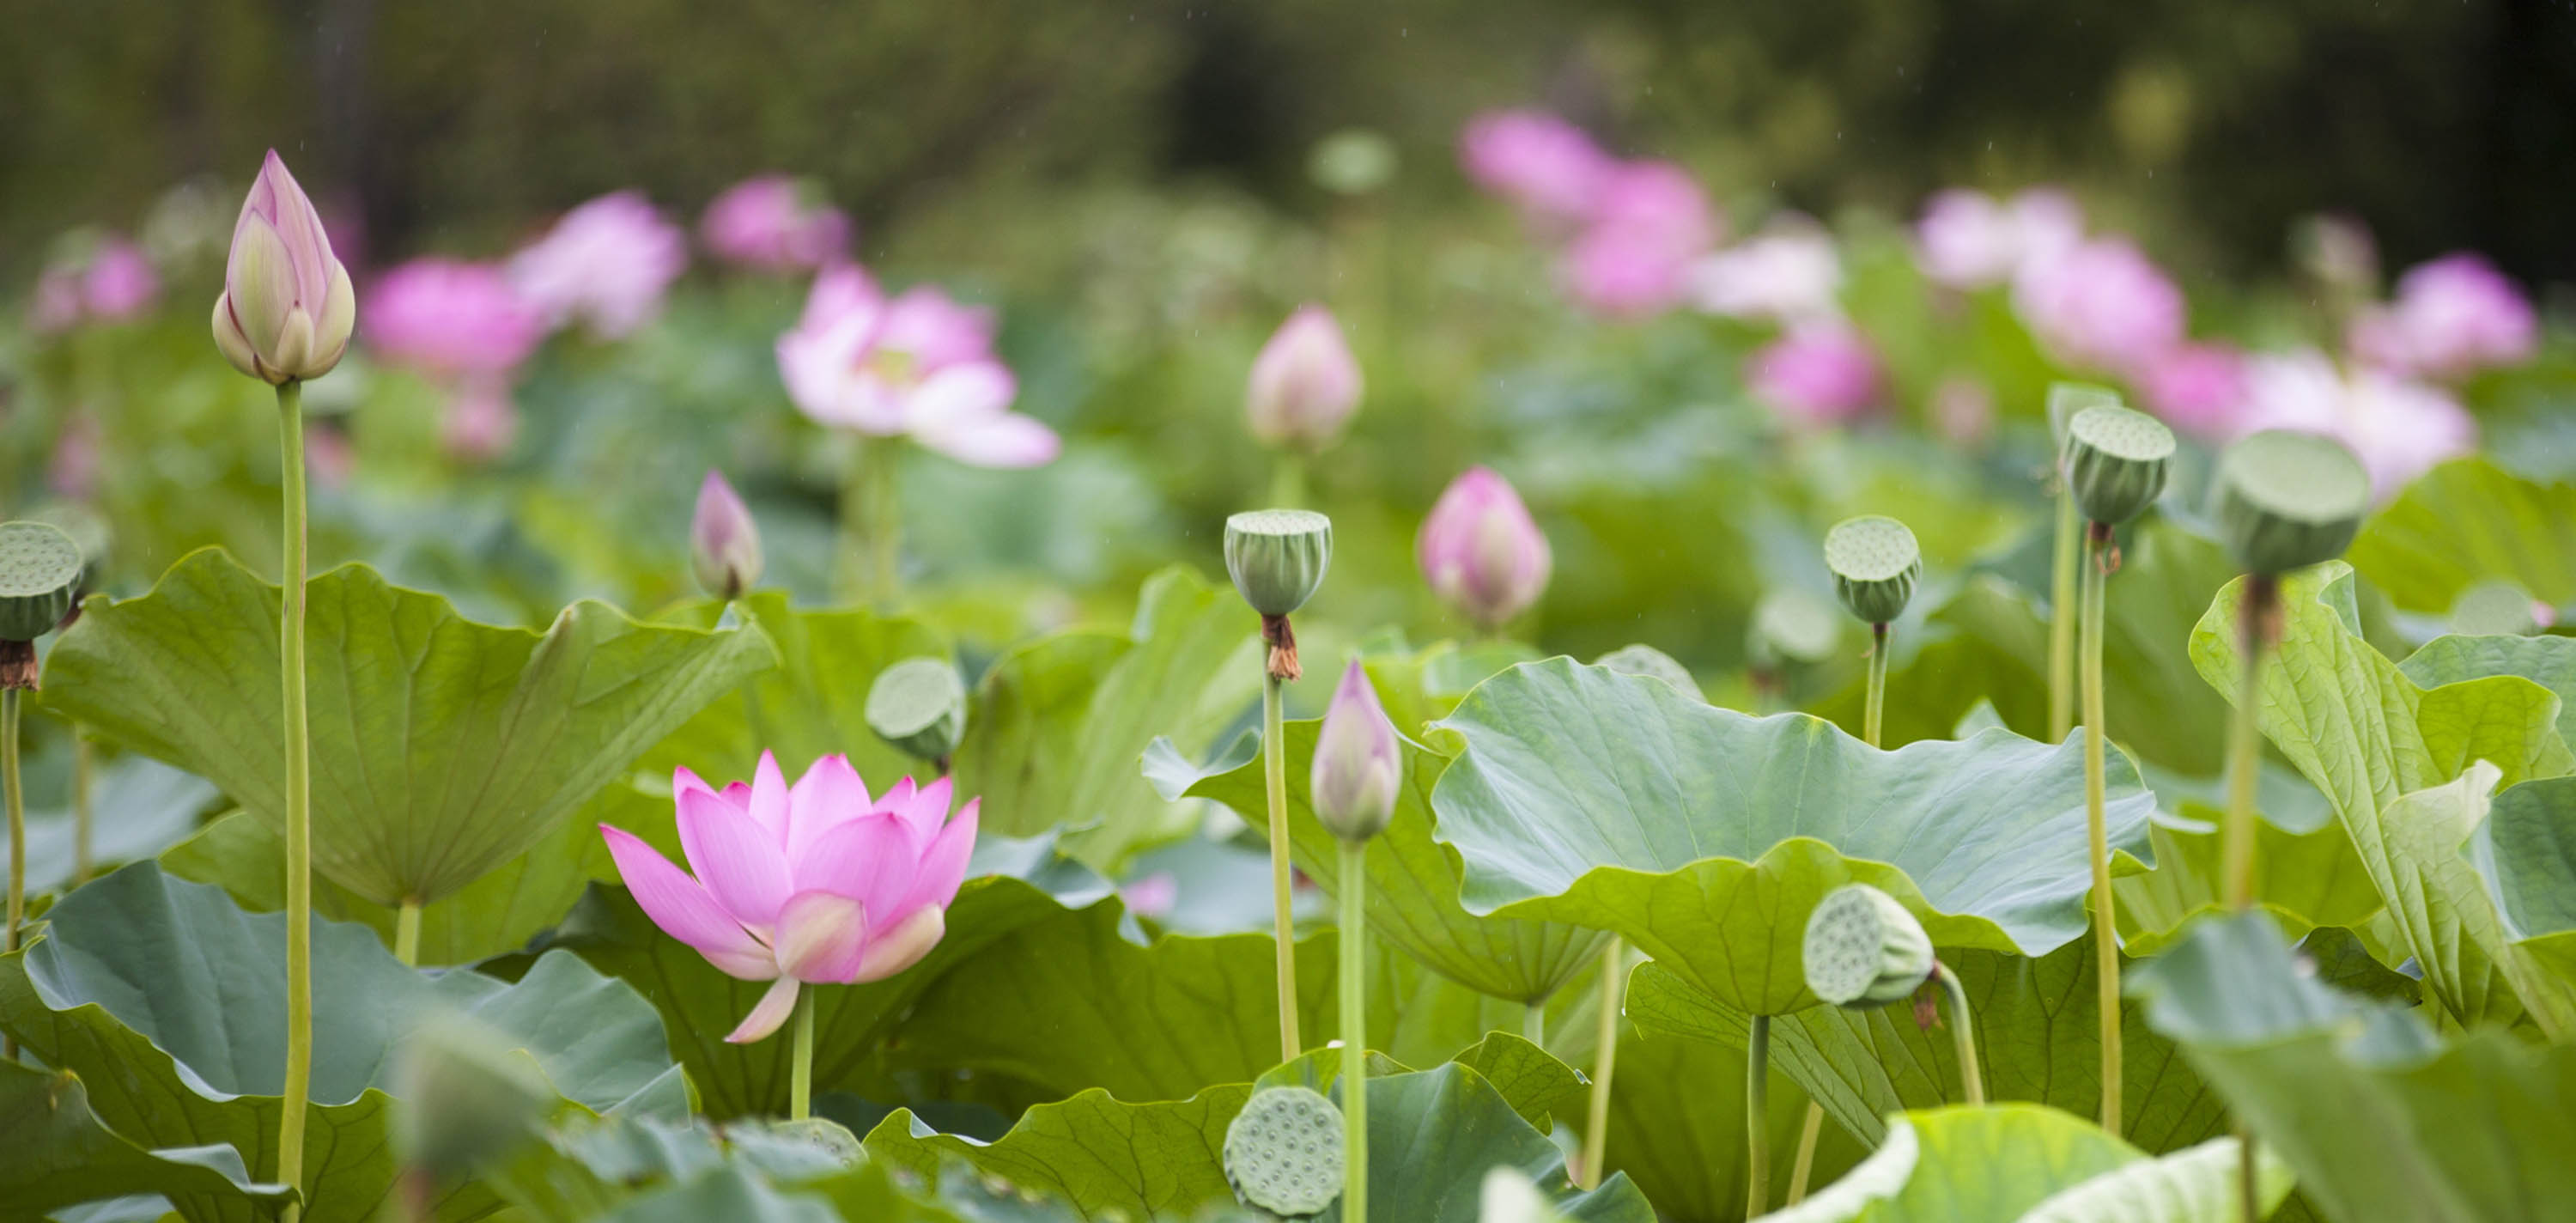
[[1875, 562], [1357, 764], [1277, 558], [1864, 950], [1647, 661], [468, 1094], [1283, 1153], [724, 541], [1480, 550], [2115, 462], [1305, 384], [287, 309], [40, 574], [2288, 500], [918, 706]]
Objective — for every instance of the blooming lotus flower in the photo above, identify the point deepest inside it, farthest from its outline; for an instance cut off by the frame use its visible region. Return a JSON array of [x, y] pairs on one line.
[[1650, 224], [2101, 304], [916, 365], [2398, 428], [119, 283], [1305, 384], [2453, 316], [605, 264], [1480, 551], [815, 884], [724, 541], [1546, 165], [287, 309], [775, 223], [1789, 273], [1968, 239], [2197, 388], [1816, 374], [1357, 764], [450, 319]]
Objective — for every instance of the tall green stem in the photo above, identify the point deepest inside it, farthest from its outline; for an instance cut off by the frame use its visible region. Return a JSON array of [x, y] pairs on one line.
[[84, 853], [1757, 1119], [17, 832], [1353, 937], [2061, 627], [1288, 481], [800, 1073], [872, 524], [1534, 1022], [407, 932], [1596, 1130], [2106, 935], [299, 800], [1274, 772], [1963, 1035], [1874, 712], [2244, 757], [1808, 1135]]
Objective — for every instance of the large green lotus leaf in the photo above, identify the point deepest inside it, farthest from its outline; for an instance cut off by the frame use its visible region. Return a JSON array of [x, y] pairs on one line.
[[2035, 1165], [2037, 1040], [494, 915], [2526, 851], [1010, 884], [2306, 879], [2380, 1119], [2547, 661], [2469, 955], [2464, 522], [1413, 880], [1432, 1136], [441, 748], [54, 1152], [1057, 725], [2367, 734], [1706, 836], [169, 1001], [138, 807], [812, 704]]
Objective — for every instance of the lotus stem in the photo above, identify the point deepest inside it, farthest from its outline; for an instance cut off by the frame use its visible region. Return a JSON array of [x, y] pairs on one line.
[[1963, 1035], [1873, 713], [1806, 1162], [1596, 1132], [1353, 938], [84, 857], [17, 833], [1274, 770], [1534, 1022], [1288, 481], [2106, 935], [2061, 627], [2244, 736], [1757, 1118], [407, 933], [800, 1073], [871, 525], [299, 803]]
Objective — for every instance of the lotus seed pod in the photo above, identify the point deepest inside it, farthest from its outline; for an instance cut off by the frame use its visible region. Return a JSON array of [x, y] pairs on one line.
[[1283, 1153], [1875, 563], [40, 572], [2497, 608], [1864, 950], [918, 706], [2116, 462], [2066, 400], [1792, 625], [2288, 500], [1278, 557], [1652, 663]]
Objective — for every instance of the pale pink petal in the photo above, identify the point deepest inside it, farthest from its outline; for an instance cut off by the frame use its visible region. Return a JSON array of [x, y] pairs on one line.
[[767, 1015], [903, 946], [943, 865], [898, 796], [972, 391], [1012, 441], [740, 862], [830, 794], [869, 859], [924, 812], [683, 781], [684, 910], [768, 805], [821, 937]]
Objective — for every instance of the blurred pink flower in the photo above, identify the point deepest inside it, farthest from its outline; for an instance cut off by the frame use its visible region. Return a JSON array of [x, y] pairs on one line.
[[2400, 429], [2452, 317], [72, 471], [1963, 412], [2196, 388], [1541, 162], [2101, 304], [120, 282], [776, 223], [916, 365], [1650, 223], [480, 420], [1789, 273], [812, 884], [605, 264], [328, 455], [1817, 374], [1152, 896], [1305, 383], [57, 304], [1480, 550], [1657, 203], [449, 319], [1967, 239]]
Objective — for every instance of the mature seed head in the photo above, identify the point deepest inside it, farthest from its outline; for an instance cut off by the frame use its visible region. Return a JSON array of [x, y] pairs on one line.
[[1864, 950], [1283, 1152], [2288, 500], [1278, 557], [40, 574], [1875, 563], [2115, 461]]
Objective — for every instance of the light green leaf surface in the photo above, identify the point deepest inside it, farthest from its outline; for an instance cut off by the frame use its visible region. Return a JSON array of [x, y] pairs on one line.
[[2526, 852], [2306, 879], [2464, 522], [139, 807], [813, 703], [2547, 661], [441, 748], [1705, 836], [54, 1152]]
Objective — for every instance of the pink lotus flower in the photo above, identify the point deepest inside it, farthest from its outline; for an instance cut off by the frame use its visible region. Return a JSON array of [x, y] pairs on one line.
[[1789, 273], [2197, 388], [1649, 225], [1305, 384], [775, 223], [451, 319], [287, 308], [605, 264], [2398, 428], [1818, 374], [1968, 239], [1480, 551], [2452, 317], [119, 283], [815, 884], [916, 365], [1546, 165], [2102, 304]]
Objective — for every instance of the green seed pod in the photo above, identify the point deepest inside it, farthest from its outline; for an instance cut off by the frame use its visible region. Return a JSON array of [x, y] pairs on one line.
[[40, 572], [2289, 500], [1652, 663], [1792, 625], [2116, 461], [1875, 562], [1278, 557], [2066, 399], [1863, 949], [1283, 1152], [918, 706]]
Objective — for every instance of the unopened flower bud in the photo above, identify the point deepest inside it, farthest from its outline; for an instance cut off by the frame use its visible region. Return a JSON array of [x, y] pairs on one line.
[[1358, 766], [2288, 500], [287, 309], [1305, 384], [918, 706], [1283, 1152], [1480, 550], [724, 541], [1875, 563], [2115, 462], [1864, 950]]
